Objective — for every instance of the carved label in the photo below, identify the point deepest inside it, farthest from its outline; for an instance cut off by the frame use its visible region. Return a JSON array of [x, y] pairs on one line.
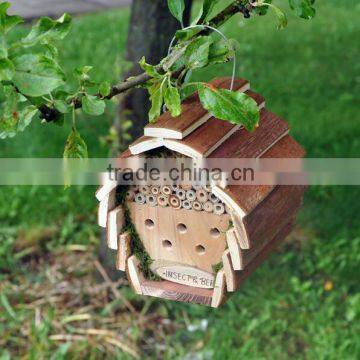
[[186, 275]]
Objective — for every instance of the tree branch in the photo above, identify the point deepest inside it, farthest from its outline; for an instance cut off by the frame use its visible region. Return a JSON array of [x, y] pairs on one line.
[[238, 6]]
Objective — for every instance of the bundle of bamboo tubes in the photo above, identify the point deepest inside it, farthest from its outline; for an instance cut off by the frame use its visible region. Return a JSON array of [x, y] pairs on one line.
[[187, 197]]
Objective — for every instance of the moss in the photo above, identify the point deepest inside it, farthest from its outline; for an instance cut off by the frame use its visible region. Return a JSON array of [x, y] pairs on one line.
[[137, 246], [217, 267]]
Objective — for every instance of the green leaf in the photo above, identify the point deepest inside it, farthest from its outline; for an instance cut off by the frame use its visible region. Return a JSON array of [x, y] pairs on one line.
[[25, 117], [197, 18], [177, 8], [197, 53], [8, 127], [8, 113], [37, 75], [7, 22], [47, 30], [149, 69], [62, 106], [187, 34], [221, 51], [282, 20], [156, 98], [92, 105], [235, 107], [3, 47], [104, 89], [82, 73], [208, 6], [7, 70], [303, 8], [172, 100], [75, 147]]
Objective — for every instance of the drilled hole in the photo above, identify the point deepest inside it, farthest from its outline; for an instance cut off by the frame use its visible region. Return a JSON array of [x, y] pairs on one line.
[[167, 244], [182, 228], [149, 224], [215, 232], [200, 249]]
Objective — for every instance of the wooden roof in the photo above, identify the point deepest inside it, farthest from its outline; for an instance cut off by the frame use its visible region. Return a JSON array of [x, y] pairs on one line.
[[198, 135]]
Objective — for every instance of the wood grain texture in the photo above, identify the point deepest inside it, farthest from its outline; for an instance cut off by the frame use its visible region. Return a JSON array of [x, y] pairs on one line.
[[271, 215], [135, 277], [123, 251], [219, 295], [193, 114], [177, 292], [198, 244], [229, 271], [241, 276], [106, 204], [105, 189], [200, 143], [236, 252], [115, 222], [243, 199]]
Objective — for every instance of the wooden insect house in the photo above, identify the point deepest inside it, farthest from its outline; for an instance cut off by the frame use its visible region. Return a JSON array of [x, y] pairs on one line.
[[197, 244]]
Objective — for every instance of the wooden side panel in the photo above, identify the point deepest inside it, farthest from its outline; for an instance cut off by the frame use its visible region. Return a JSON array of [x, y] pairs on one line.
[[241, 276], [219, 295], [135, 277], [115, 222], [229, 271], [124, 251], [235, 250], [106, 204], [177, 292], [272, 214], [245, 198], [193, 114]]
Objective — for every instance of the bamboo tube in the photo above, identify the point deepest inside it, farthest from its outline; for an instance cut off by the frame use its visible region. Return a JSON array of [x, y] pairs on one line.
[[190, 195], [166, 190], [208, 206], [186, 204], [201, 195], [163, 200], [155, 190], [186, 187], [140, 198], [175, 187], [219, 209], [151, 199], [174, 202], [213, 198], [197, 206], [181, 194], [144, 189], [208, 188], [130, 195]]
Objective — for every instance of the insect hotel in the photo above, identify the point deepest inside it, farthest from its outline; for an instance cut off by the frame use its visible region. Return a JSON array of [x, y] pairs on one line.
[[197, 244]]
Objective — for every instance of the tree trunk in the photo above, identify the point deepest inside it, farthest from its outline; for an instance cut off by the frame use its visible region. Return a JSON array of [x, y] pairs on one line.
[[150, 31]]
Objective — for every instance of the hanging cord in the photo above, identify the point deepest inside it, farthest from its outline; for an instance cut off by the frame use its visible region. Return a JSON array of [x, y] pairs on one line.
[[223, 36]]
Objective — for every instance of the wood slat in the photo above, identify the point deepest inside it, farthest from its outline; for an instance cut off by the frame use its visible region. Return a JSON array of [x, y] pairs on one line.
[[177, 292], [124, 251], [193, 114], [115, 222], [241, 276], [219, 295], [106, 204], [245, 198], [200, 143]]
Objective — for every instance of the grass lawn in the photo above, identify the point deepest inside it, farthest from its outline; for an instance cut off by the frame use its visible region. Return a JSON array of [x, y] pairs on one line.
[[303, 303]]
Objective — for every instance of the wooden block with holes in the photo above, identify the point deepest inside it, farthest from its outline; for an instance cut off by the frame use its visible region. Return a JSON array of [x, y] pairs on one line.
[[203, 241]]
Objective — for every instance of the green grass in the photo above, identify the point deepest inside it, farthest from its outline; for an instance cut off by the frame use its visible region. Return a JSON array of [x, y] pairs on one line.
[[304, 302]]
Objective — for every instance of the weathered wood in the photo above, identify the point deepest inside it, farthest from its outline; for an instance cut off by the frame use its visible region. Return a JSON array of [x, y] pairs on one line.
[[193, 114], [229, 271], [115, 222], [177, 292], [219, 294], [123, 251], [135, 277], [235, 249], [106, 204], [195, 238], [241, 276], [183, 274]]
